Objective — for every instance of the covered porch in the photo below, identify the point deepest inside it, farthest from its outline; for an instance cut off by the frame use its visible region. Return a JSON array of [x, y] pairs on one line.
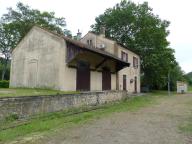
[[95, 68]]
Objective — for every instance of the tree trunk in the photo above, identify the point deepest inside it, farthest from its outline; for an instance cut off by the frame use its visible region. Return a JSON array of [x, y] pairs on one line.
[[4, 69]]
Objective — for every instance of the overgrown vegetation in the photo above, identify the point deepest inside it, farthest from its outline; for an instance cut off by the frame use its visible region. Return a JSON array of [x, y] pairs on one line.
[[4, 84], [188, 78], [65, 119], [13, 92]]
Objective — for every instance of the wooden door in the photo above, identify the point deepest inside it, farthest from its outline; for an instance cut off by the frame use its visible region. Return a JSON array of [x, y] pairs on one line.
[[83, 76], [124, 82], [106, 79], [135, 84]]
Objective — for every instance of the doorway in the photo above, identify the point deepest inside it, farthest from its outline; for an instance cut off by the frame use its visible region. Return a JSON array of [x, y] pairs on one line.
[[83, 76], [124, 82], [106, 79], [135, 84]]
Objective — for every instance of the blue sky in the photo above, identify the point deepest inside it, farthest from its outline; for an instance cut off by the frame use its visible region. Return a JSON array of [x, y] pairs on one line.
[[80, 14]]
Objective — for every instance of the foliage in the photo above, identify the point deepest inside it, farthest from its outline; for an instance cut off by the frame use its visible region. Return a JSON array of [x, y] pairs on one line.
[[75, 116], [4, 84], [136, 27], [17, 22], [12, 117], [188, 78], [7, 71]]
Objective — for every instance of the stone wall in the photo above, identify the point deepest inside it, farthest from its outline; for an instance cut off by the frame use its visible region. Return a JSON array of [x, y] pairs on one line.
[[30, 105]]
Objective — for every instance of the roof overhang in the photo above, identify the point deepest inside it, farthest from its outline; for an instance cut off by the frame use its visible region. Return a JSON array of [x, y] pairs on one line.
[[97, 58]]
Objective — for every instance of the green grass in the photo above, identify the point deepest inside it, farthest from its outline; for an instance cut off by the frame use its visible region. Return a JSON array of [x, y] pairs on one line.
[[186, 125], [190, 88], [13, 92], [65, 119]]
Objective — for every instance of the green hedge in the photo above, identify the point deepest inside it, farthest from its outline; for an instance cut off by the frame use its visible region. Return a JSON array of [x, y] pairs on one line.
[[4, 84]]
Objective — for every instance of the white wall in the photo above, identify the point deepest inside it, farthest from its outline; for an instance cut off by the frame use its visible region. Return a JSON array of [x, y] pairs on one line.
[[36, 60]]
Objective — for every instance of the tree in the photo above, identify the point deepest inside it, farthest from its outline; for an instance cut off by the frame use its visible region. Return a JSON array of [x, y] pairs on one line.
[[188, 78], [17, 22], [136, 27]]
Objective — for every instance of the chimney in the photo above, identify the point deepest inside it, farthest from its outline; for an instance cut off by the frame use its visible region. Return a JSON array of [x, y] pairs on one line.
[[102, 31], [79, 35]]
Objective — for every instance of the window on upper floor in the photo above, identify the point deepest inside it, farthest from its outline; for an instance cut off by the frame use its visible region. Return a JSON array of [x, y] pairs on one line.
[[124, 56], [90, 42], [135, 62]]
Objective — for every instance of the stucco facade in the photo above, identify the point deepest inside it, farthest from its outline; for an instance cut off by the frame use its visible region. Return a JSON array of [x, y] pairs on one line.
[[37, 61], [47, 60]]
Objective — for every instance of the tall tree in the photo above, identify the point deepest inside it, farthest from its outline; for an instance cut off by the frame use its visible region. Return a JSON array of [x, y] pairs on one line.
[[17, 22], [136, 27]]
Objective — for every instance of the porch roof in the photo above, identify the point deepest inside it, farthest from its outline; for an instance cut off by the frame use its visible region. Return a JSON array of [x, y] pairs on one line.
[[95, 50]]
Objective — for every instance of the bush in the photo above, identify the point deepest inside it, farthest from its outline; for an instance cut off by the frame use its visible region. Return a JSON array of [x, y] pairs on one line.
[[12, 117], [4, 84]]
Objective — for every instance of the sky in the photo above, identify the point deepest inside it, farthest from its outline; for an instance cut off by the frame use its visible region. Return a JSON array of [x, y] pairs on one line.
[[80, 14]]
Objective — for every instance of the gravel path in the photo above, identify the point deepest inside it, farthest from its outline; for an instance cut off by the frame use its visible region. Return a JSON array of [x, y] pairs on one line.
[[157, 124]]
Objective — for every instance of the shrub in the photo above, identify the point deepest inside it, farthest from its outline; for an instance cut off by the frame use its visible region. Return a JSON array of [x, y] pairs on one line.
[[12, 117], [4, 84]]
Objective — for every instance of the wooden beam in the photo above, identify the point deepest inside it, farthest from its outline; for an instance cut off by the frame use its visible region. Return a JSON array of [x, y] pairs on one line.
[[104, 60]]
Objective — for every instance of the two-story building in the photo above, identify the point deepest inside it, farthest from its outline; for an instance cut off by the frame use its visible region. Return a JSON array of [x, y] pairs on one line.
[[44, 59], [127, 78]]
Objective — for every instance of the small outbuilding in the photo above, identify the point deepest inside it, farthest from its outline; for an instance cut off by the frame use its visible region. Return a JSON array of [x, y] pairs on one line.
[[181, 87]]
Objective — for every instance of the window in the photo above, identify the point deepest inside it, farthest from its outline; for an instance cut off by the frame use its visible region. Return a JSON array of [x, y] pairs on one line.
[[135, 62], [90, 42], [124, 56]]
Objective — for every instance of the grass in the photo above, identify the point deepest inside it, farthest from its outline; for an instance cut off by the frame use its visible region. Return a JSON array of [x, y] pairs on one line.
[[13, 92], [190, 88], [186, 125], [65, 119]]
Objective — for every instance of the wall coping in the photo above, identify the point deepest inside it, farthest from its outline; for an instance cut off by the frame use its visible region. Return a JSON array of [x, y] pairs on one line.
[[59, 95]]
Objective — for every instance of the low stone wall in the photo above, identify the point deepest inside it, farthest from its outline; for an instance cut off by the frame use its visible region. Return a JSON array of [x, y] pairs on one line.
[[30, 105]]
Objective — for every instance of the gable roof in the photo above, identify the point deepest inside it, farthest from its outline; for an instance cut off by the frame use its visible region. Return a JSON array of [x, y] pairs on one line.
[[82, 45]]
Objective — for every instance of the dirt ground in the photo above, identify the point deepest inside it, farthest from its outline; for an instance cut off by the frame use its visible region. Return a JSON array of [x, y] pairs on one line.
[[157, 124]]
